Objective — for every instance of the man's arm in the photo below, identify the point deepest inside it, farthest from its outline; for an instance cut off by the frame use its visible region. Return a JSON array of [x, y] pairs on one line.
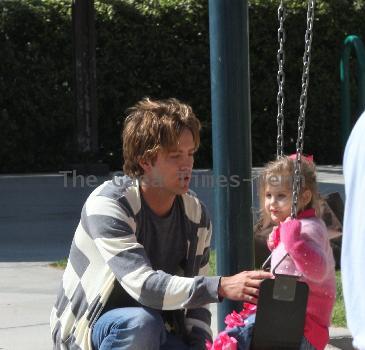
[[113, 231]]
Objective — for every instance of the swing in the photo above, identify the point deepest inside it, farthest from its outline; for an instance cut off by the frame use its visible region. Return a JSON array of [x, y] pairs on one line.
[[281, 309]]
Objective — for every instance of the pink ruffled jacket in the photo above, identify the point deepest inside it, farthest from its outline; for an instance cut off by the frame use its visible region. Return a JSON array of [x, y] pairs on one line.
[[311, 256]]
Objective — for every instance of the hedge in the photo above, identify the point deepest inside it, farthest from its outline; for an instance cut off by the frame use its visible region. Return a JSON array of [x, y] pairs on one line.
[[160, 49]]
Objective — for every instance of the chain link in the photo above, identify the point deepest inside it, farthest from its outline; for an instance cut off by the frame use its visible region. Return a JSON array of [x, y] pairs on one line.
[[281, 80], [303, 106]]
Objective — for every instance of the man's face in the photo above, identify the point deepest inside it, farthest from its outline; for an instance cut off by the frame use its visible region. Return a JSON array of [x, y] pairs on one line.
[[172, 170]]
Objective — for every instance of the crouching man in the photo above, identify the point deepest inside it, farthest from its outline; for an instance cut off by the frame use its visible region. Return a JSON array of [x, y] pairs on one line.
[[136, 276]]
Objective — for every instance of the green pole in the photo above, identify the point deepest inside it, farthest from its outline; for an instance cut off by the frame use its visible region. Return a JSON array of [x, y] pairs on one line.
[[231, 127], [352, 42]]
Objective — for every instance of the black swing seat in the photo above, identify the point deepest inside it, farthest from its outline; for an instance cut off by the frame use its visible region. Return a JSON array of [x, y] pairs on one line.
[[280, 314]]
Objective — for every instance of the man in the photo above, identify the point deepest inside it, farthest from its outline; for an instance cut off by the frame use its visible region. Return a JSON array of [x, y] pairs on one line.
[[135, 277], [353, 239]]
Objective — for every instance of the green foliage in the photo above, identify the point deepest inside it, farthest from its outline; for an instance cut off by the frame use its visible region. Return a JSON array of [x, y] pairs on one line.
[[157, 51], [160, 49], [335, 19], [339, 313], [35, 85]]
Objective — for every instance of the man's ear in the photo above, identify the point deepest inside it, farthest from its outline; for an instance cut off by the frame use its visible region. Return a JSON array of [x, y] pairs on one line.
[[307, 197], [145, 164]]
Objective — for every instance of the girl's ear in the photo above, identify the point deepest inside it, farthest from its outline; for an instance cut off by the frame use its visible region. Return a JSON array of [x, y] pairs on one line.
[[306, 197]]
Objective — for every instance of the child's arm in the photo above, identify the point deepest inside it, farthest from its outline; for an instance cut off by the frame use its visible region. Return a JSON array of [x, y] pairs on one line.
[[307, 253], [273, 239]]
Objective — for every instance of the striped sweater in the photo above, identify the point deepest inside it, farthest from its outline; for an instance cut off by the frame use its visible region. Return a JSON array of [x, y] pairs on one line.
[[105, 249]]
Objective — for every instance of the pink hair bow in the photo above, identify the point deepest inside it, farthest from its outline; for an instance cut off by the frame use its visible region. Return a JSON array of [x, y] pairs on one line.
[[309, 158]]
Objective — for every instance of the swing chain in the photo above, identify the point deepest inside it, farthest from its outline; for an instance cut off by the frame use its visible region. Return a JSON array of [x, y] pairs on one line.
[[281, 80], [303, 106]]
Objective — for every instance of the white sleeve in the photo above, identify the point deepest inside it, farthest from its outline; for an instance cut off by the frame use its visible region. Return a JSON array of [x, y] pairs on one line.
[[353, 240]]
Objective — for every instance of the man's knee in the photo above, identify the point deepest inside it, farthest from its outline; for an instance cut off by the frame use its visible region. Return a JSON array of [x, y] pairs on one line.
[[147, 328], [148, 320], [140, 327]]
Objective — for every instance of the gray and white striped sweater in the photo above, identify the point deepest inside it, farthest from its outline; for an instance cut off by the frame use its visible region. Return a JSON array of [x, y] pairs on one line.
[[105, 249]]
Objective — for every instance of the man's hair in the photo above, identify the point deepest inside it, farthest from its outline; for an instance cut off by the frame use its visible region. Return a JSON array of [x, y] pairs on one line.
[[153, 125]]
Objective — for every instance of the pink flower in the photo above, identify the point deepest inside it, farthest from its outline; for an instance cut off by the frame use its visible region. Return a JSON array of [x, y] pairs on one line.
[[222, 342], [248, 309], [233, 320]]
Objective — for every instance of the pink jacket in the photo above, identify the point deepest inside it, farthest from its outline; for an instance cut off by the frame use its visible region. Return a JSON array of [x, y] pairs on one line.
[[311, 256]]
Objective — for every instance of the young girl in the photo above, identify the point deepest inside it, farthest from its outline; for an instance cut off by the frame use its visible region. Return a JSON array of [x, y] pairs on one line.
[[305, 239]]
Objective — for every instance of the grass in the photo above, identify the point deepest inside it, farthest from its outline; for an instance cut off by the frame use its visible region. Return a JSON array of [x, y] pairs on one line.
[[338, 316], [60, 264], [212, 263]]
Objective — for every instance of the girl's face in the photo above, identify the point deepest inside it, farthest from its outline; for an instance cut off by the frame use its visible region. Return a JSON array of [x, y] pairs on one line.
[[278, 200]]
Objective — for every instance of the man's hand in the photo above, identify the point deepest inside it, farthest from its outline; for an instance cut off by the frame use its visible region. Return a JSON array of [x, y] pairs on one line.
[[244, 286]]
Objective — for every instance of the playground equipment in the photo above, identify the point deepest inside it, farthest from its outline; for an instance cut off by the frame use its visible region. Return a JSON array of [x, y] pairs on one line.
[[228, 22], [351, 43], [231, 125], [285, 297]]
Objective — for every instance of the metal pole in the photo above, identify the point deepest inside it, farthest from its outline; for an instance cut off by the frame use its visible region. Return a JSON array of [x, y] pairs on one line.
[[83, 20], [351, 42], [231, 124]]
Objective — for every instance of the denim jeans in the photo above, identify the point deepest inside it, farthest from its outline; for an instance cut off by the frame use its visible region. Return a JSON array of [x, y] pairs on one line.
[[133, 328]]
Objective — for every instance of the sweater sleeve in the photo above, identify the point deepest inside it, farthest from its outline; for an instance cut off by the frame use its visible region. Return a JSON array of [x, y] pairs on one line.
[[198, 321], [273, 239], [306, 246], [113, 227]]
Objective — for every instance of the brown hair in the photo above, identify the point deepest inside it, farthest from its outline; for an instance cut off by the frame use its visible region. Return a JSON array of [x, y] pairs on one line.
[[281, 171], [152, 125]]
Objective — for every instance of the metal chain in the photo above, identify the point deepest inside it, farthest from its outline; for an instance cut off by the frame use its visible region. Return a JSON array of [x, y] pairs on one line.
[[281, 80], [303, 106]]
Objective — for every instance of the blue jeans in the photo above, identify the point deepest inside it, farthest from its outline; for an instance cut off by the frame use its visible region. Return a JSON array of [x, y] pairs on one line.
[[133, 328]]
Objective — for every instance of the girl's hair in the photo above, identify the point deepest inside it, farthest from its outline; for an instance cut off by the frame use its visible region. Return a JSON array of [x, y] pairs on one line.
[[280, 172], [152, 125]]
